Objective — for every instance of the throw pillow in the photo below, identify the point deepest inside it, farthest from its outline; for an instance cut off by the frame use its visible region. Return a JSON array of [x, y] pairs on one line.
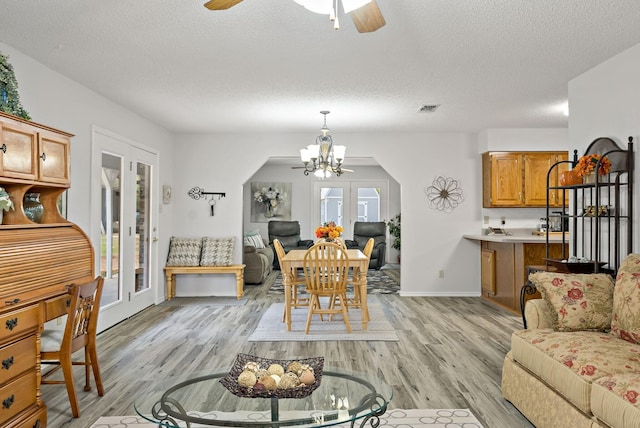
[[254, 241], [217, 252], [626, 301], [577, 301], [184, 251]]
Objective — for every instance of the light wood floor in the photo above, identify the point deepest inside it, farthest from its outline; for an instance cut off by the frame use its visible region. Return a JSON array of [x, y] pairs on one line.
[[449, 355]]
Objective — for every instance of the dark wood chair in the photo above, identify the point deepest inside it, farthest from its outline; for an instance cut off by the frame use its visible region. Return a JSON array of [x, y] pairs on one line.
[[57, 346]]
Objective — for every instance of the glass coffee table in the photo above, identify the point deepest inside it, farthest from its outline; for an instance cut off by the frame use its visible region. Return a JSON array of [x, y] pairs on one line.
[[200, 400]]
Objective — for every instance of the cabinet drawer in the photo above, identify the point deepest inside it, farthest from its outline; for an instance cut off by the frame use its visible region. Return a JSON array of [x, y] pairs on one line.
[[21, 320], [17, 358], [37, 420], [17, 396], [56, 307]]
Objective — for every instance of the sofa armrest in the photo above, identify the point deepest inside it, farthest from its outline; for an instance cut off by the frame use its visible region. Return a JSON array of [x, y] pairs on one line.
[[249, 249], [305, 243], [351, 244], [537, 314]]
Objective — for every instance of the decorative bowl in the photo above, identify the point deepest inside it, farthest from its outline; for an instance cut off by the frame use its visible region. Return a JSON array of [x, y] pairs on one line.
[[230, 381], [574, 267]]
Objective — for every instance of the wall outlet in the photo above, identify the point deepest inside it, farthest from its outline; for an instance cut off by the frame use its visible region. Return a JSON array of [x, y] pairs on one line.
[[441, 273]]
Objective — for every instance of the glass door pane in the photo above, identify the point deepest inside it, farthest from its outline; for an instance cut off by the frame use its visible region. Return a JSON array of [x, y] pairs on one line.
[[368, 203], [332, 205], [110, 236], [143, 228]]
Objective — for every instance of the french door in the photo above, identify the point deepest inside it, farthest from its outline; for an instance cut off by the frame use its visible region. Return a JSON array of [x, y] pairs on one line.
[[346, 202], [123, 225]]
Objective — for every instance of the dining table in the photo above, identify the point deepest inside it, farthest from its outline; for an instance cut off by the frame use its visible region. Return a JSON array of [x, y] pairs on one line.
[[294, 259]]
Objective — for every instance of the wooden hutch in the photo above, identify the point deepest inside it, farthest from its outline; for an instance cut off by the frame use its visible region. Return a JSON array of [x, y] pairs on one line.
[[37, 261]]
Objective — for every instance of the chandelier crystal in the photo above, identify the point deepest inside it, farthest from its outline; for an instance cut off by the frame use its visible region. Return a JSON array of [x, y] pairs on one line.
[[323, 158]]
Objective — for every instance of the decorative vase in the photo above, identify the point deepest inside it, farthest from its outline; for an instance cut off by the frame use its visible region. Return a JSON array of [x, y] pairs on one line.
[[32, 207], [569, 178], [270, 212]]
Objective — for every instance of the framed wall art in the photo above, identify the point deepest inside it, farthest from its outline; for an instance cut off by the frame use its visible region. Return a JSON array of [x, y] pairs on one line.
[[270, 201]]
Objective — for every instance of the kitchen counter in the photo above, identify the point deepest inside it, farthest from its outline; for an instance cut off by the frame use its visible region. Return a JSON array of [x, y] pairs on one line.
[[519, 237]]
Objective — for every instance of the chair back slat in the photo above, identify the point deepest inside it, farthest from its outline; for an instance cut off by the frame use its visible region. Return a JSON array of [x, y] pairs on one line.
[[326, 267], [83, 313]]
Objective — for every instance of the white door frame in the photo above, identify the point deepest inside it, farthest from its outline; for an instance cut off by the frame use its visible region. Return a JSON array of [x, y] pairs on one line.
[[106, 141]]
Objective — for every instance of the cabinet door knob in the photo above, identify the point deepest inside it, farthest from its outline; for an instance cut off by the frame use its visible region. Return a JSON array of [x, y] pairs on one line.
[[4, 148], [43, 156]]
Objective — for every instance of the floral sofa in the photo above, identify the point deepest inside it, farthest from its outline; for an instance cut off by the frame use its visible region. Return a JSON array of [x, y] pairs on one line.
[[578, 362]]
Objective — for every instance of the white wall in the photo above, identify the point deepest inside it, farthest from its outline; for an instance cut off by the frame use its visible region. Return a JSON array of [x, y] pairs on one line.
[[431, 240], [605, 102], [53, 100]]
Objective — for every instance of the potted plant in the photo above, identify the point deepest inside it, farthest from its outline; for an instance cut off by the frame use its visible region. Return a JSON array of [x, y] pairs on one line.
[[5, 202], [394, 230]]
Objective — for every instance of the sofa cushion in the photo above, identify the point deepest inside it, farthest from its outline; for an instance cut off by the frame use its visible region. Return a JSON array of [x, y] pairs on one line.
[[626, 302], [570, 361], [616, 400], [630, 264], [217, 252], [577, 301], [184, 251]]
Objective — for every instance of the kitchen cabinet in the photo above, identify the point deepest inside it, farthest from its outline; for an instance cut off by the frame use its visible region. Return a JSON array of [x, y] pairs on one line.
[[503, 269], [519, 179]]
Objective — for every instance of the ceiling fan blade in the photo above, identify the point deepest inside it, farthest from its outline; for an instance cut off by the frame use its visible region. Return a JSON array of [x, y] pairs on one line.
[[221, 4], [368, 18]]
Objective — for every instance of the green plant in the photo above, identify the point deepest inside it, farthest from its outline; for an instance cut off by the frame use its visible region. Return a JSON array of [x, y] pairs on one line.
[[394, 230]]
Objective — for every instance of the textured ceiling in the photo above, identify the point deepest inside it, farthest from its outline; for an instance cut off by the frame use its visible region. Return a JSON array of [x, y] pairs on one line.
[[271, 65]]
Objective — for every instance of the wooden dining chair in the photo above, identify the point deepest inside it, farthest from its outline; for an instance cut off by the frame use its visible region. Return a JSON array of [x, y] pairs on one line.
[[326, 268], [57, 346], [296, 279], [354, 279]]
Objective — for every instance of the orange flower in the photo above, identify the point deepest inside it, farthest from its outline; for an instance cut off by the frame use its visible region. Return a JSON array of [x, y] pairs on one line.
[[329, 230], [587, 164]]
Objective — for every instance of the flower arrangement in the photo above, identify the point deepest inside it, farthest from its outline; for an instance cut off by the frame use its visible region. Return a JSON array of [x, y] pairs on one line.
[[329, 230], [268, 196], [5, 200], [587, 164]]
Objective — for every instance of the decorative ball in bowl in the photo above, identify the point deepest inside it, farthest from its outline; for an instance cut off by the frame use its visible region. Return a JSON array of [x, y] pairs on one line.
[[252, 376]]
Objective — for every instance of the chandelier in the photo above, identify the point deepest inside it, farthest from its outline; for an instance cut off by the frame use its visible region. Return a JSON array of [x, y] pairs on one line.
[[323, 158]]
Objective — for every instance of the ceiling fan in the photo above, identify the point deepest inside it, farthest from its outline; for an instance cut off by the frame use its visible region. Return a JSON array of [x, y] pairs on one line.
[[366, 14]]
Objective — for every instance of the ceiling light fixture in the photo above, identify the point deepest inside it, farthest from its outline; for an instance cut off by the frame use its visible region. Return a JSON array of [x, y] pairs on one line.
[[330, 7], [323, 158]]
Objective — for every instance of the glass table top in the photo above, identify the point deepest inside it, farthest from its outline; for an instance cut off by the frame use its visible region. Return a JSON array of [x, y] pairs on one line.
[[200, 400]]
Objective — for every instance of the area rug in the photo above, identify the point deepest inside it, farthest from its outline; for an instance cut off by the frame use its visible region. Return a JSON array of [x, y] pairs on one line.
[[384, 281], [205, 301], [272, 329], [396, 418]]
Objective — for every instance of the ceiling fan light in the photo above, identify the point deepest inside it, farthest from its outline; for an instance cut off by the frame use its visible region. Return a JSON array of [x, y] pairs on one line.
[[323, 7], [322, 173], [351, 5]]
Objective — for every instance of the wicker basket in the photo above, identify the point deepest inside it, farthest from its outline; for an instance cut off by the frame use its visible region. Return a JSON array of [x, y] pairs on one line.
[[230, 381]]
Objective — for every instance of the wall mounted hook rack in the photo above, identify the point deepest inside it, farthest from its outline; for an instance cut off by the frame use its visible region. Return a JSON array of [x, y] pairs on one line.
[[198, 193]]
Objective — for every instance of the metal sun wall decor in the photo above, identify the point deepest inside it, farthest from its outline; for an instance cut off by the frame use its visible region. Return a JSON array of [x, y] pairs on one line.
[[445, 194]]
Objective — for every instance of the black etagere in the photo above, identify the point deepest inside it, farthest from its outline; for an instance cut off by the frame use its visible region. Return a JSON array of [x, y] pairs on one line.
[[600, 213]]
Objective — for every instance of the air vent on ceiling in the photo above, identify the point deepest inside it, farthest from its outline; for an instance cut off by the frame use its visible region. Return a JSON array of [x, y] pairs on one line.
[[428, 108]]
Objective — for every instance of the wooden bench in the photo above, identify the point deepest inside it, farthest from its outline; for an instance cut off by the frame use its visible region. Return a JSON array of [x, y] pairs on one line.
[[170, 271]]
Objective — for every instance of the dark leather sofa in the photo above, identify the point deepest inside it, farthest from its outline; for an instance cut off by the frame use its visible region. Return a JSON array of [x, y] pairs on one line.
[[288, 233], [377, 230]]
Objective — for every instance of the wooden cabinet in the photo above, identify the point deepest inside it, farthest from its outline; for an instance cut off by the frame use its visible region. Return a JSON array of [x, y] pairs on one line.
[[33, 159], [519, 179], [38, 261], [504, 264]]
